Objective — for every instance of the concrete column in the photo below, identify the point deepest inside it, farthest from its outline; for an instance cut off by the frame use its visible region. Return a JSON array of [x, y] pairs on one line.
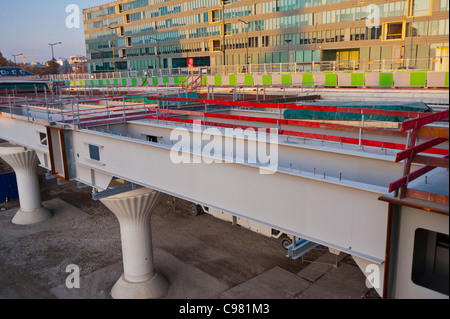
[[25, 164], [140, 280]]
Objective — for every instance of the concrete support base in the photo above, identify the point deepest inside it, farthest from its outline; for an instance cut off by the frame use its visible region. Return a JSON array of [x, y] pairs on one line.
[[154, 288], [36, 216], [25, 164], [140, 280]]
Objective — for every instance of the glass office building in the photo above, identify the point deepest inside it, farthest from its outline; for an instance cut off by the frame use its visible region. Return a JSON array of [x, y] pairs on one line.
[[152, 34]]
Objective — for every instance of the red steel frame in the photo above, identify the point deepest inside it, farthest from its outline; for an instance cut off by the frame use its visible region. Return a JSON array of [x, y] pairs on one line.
[[410, 155]]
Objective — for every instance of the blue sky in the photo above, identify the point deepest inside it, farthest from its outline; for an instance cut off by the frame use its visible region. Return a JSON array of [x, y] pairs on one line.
[[28, 26]]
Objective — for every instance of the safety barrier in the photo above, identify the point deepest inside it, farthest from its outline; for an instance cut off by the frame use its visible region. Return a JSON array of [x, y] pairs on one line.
[[343, 79]]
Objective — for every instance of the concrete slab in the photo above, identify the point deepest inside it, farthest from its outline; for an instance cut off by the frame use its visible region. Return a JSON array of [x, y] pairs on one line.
[[320, 266], [344, 282], [186, 282], [275, 283]]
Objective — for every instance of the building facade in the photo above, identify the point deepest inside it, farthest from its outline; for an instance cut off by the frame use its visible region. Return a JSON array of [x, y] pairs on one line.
[[152, 34]]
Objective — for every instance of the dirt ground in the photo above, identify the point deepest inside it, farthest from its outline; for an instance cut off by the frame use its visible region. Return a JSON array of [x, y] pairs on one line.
[[229, 253]]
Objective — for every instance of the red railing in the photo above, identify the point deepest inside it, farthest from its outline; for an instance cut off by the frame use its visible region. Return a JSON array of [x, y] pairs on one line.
[[411, 154]]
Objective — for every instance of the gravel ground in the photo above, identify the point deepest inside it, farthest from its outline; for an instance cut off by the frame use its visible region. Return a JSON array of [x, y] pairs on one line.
[[33, 261]]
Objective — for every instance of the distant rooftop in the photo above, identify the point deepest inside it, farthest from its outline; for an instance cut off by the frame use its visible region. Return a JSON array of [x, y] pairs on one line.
[[6, 71]]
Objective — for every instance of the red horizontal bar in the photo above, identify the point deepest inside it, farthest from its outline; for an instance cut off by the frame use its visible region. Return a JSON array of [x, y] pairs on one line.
[[418, 122], [410, 152], [410, 177], [331, 138], [287, 106]]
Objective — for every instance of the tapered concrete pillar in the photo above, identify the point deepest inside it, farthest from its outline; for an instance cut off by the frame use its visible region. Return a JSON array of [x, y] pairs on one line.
[[25, 164], [140, 280]]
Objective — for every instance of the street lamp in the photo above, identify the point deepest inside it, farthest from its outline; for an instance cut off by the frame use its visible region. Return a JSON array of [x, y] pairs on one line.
[[16, 55], [246, 56], [157, 52], [112, 42], [103, 60], [53, 55], [224, 32], [288, 52]]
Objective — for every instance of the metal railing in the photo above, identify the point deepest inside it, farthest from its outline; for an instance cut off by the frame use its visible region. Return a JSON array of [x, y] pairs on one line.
[[383, 65]]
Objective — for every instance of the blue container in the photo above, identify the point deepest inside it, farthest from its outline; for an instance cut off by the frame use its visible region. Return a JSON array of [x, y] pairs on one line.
[[8, 187]]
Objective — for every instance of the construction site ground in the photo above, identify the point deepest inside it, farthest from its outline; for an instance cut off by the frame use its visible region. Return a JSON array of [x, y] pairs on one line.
[[201, 256]]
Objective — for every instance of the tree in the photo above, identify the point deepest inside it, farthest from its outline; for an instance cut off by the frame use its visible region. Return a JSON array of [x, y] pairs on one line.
[[4, 61]]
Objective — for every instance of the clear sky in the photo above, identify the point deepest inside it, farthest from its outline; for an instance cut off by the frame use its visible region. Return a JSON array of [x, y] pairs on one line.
[[28, 26]]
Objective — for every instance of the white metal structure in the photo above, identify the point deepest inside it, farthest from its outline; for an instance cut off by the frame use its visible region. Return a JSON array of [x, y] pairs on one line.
[[325, 192]]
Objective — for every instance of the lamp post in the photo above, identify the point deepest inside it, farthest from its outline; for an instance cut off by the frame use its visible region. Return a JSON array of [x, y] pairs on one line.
[[224, 47], [157, 53], [112, 45], [16, 55], [288, 52], [246, 55], [53, 54], [103, 60]]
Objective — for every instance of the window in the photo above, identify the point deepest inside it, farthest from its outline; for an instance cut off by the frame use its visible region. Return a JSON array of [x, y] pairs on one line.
[[215, 45], [419, 8], [94, 152], [151, 138], [431, 260], [120, 8], [215, 15], [394, 31], [227, 29], [123, 53], [43, 139], [129, 42]]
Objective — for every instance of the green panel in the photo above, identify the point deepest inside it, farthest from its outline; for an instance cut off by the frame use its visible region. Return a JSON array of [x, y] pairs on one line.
[[176, 80], [124, 82], [286, 79], [166, 80], [134, 81], [92, 83], [357, 79], [205, 80], [331, 79], [100, 82], [307, 80], [116, 82], [218, 80], [417, 78], [446, 79], [155, 81], [108, 82], [183, 78], [232, 79], [248, 80], [267, 79], [386, 79]]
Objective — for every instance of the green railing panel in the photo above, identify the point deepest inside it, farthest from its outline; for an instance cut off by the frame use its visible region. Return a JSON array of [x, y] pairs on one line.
[[331, 79], [248, 80], [218, 80], [386, 79], [124, 82], [417, 79], [267, 79], [446, 79], [204, 80], [155, 81], [286, 79], [92, 83], [165, 80], [100, 82], [357, 79], [232, 80], [308, 79]]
